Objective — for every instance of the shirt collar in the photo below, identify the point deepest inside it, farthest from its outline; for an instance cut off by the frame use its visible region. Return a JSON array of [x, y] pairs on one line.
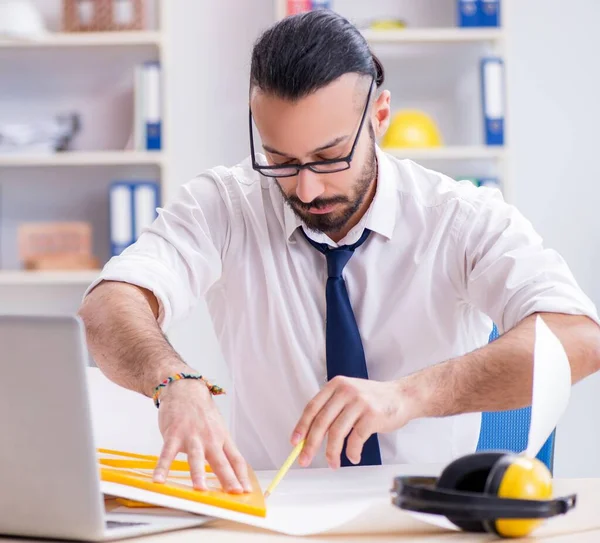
[[381, 215]]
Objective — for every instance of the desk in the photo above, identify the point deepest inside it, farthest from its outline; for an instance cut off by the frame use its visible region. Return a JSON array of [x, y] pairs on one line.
[[582, 524]]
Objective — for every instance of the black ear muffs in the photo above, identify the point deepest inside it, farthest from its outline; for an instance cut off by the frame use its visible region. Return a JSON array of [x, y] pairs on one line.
[[469, 474], [495, 492]]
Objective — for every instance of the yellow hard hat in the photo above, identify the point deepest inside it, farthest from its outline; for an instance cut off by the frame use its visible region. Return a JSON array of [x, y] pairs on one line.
[[412, 128]]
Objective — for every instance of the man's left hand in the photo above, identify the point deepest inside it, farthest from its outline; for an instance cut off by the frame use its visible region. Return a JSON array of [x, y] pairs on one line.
[[358, 407]]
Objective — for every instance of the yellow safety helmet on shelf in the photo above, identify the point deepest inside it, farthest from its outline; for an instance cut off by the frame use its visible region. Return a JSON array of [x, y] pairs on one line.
[[412, 128]]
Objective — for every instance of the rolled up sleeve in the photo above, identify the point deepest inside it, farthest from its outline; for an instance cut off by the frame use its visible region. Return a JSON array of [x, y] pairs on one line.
[[507, 272], [179, 257]]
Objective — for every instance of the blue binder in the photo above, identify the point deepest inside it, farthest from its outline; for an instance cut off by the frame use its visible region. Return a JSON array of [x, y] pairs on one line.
[[468, 13], [132, 207], [152, 106], [321, 4], [489, 12], [492, 99]]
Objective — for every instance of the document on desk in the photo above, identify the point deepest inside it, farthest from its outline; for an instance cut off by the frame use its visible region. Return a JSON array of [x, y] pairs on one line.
[[317, 501], [357, 499]]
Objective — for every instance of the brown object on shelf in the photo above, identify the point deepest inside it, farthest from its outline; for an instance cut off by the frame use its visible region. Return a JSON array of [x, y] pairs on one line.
[[56, 246], [103, 15], [62, 262]]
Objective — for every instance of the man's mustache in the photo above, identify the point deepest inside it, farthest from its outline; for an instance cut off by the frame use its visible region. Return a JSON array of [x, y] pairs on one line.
[[318, 203]]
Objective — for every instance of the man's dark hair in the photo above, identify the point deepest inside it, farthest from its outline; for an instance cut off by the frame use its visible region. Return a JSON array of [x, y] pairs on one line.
[[305, 52]]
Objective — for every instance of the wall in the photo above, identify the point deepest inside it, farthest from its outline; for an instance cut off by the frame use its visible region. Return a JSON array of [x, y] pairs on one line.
[[554, 84], [208, 122]]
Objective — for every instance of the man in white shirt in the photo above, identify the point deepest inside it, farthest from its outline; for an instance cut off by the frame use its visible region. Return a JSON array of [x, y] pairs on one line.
[[352, 293]]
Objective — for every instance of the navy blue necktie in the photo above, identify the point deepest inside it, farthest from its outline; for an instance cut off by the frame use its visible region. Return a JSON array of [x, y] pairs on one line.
[[344, 349]]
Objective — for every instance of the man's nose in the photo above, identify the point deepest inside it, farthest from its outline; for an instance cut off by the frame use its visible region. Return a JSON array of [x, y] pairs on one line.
[[310, 186]]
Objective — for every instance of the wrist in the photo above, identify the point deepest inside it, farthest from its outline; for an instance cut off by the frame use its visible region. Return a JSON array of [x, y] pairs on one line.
[[160, 390], [154, 378], [413, 393], [186, 387]]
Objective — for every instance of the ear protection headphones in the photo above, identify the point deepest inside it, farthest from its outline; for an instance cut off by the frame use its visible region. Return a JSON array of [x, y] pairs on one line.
[[495, 492]]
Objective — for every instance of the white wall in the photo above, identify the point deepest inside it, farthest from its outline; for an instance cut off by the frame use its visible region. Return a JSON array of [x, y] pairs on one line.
[[209, 54], [554, 82]]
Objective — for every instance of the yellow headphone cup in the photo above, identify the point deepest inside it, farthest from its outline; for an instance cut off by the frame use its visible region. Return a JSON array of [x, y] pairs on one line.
[[526, 479]]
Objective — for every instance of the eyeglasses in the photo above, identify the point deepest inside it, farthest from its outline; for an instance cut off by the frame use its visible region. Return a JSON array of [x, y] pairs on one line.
[[320, 166]]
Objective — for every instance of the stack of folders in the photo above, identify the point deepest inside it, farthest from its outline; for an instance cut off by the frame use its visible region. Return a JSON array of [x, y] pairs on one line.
[[148, 111], [478, 13], [133, 207]]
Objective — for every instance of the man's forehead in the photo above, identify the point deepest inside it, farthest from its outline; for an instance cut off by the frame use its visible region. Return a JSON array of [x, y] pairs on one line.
[[349, 89]]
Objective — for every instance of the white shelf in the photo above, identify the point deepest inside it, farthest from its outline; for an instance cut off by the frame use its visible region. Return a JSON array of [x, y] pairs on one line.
[[86, 39], [466, 152], [434, 35], [73, 64], [76, 278], [81, 158]]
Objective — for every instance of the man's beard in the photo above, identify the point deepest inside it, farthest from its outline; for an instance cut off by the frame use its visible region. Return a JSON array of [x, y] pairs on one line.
[[336, 220]]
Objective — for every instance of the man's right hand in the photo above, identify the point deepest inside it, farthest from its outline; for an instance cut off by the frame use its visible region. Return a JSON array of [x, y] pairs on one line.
[[191, 423]]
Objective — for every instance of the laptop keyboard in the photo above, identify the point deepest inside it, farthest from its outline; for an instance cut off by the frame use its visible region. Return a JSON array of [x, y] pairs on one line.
[[111, 524]]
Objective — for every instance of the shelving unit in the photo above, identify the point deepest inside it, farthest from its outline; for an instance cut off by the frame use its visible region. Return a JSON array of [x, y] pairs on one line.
[[86, 39], [60, 71], [82, 158], [457, 152], [432, 64], [47, 278], [435, 35]]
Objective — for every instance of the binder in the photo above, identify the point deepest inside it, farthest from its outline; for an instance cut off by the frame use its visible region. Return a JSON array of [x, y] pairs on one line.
[[132, 208], [152, 106], [489, 12], [121, 217], [468, 13], [492, 93], [145, 203]]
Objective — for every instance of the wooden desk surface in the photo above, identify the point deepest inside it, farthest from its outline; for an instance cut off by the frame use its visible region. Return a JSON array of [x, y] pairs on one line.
[[582, 524]]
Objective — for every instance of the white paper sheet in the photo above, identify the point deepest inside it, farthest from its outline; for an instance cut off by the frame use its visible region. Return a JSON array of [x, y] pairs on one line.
[[551, 386], [317, 501]]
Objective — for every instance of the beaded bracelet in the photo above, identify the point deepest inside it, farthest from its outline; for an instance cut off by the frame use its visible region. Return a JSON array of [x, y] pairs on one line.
[[214, 389]]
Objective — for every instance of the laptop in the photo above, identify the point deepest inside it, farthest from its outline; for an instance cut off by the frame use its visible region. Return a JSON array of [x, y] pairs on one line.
[[49, 477]]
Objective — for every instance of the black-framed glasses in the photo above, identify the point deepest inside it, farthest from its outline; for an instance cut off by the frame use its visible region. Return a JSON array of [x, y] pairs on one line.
[[319, 166]]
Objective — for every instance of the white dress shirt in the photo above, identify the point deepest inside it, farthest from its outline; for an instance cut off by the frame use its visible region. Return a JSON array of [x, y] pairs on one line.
[[444, 259]]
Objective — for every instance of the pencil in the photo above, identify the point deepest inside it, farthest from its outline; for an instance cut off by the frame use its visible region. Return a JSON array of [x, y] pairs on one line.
[[284, 469]]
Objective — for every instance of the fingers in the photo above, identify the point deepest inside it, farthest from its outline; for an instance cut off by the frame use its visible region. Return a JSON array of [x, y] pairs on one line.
[[338, 431], [196, 460], [310, 411], [238, 464], [168, 453], [221, 467], [320, 426], [361, 432]]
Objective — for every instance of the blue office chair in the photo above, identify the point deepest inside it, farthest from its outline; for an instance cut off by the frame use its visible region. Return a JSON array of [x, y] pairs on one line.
[[507, 430]]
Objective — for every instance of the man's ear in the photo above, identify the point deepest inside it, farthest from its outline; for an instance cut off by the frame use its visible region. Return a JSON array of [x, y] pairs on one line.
[[381, 114]]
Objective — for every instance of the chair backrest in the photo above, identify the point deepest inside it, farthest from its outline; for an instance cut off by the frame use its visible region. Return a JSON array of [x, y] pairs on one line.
[[507, 430]]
